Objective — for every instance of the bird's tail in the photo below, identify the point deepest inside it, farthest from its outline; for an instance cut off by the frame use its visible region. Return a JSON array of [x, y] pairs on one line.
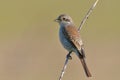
[[81, 55], [88, 74]]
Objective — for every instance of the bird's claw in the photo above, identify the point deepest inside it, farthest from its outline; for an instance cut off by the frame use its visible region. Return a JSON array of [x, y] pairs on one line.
[[69, 57]]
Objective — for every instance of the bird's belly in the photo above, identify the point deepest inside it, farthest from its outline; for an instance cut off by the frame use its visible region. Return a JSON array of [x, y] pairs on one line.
[[66, 44]]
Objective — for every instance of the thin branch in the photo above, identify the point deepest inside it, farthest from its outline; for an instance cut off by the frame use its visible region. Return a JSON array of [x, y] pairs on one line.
[[83, 21], [64, 67], [87, 15]]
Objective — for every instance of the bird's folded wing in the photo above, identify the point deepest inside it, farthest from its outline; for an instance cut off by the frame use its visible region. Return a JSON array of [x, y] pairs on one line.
[[72, 35]]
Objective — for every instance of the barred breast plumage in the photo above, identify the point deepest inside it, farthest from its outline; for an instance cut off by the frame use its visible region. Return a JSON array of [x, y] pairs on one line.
[[64, 41]]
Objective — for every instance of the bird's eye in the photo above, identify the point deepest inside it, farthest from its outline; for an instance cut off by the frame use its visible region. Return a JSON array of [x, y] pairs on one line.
[[64, 19]]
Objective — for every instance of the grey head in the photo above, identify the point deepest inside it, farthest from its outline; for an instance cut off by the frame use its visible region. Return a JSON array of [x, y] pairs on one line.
[[64, 19]]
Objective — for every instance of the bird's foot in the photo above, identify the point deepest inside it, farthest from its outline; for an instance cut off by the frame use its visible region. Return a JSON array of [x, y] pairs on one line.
[[69, 56]]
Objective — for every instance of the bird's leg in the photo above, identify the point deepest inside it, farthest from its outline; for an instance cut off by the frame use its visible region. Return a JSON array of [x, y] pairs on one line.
[[68, 56]]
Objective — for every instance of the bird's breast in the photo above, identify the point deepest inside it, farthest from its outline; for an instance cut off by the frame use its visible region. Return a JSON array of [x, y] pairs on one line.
[[64, 41]]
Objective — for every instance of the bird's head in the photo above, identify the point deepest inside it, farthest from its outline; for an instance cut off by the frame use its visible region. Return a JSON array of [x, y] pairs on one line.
[[64, 19]]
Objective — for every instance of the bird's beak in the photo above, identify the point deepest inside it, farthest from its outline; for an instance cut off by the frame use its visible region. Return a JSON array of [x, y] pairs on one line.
[[56, 20]]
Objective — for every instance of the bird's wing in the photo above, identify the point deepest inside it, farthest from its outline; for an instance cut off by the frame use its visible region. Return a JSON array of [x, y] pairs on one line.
[[73, 36]]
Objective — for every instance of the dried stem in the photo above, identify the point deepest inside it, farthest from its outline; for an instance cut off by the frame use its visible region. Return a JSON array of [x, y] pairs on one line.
[[64, 67], [83, 21], [87, 15]]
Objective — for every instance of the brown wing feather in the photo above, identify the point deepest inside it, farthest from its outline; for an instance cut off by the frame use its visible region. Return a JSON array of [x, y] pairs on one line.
[[74, 36]]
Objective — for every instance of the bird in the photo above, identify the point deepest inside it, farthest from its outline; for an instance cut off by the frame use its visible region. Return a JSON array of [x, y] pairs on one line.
[[71, 40]]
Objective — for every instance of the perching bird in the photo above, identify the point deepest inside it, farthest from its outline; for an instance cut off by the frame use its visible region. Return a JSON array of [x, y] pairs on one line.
[[70, 39]]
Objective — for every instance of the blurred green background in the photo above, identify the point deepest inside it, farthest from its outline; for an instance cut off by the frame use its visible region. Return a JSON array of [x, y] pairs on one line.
[[30, 47]]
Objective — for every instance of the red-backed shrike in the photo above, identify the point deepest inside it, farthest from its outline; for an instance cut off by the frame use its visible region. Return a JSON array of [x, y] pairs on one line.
[[70, 39]]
